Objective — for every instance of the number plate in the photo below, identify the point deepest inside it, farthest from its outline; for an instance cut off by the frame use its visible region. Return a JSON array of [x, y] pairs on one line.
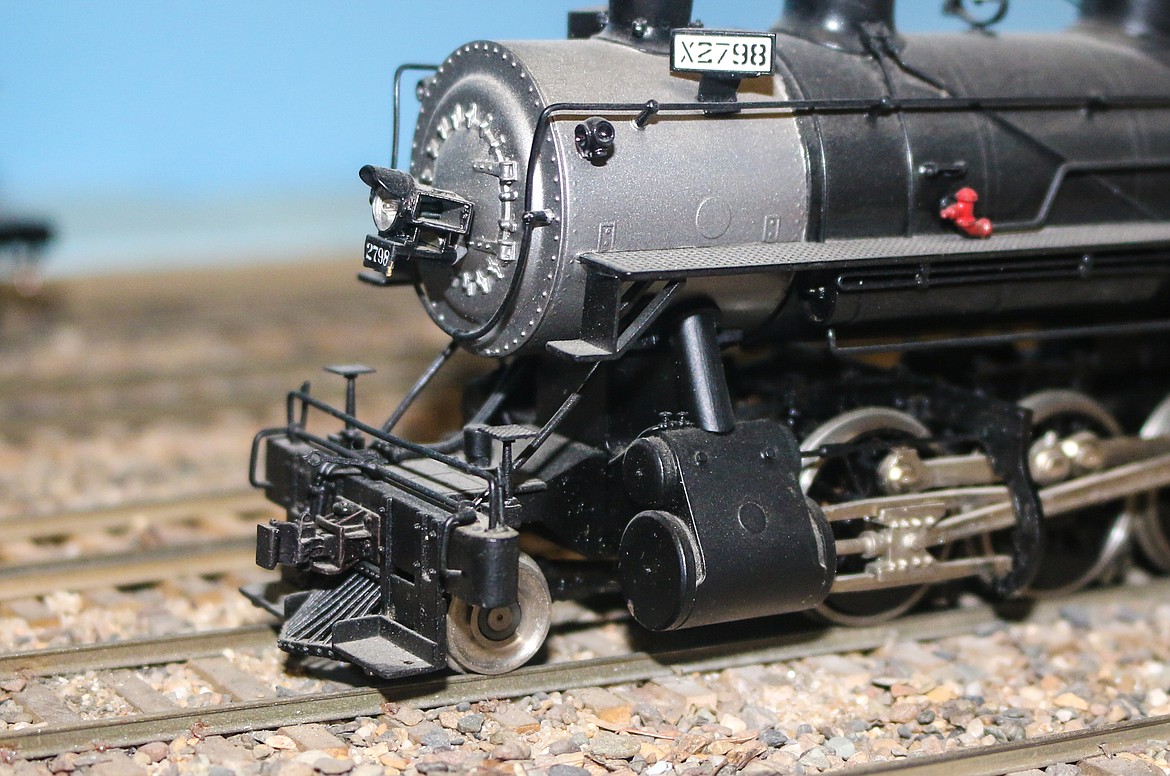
[[723, 52], [379, 255]]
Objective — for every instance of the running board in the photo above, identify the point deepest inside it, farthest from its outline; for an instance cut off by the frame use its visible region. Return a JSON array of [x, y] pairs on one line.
[[677, 263]]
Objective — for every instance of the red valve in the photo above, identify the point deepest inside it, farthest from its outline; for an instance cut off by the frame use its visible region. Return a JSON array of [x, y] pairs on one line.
[[962, 212]]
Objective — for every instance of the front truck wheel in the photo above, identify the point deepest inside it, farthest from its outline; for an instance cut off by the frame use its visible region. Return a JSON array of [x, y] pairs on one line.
[[496, 641]]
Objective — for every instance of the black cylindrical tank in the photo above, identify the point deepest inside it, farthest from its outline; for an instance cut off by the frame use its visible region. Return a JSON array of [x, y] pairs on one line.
[[835, 23], [886, 173]]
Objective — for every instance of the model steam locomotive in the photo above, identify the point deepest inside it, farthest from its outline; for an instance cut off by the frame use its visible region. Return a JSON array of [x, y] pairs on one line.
[[813, 319]]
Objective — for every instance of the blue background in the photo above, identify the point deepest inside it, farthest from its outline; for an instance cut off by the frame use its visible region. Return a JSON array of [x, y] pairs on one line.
[[163, 133]]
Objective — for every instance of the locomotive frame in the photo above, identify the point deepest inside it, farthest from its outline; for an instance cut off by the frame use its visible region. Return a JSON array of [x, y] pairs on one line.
[[903, 420]]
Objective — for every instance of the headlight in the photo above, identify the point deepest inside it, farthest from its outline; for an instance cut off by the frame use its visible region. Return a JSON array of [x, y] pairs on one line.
[[385, 212]]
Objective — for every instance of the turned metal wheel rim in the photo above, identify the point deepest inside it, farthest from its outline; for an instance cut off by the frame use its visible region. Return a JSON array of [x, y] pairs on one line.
[[496, 641], [845, 428], [1046, 405], [1147, 524]]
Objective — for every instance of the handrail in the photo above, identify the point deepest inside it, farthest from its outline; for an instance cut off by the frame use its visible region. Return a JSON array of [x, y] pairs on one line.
[[382, 436], [296, 429], [1072, 168], [351, 458], [398, 105]]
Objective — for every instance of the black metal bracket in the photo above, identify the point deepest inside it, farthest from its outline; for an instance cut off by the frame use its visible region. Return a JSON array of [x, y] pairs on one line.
[[1003, 430], [719, 93], [604, 338]]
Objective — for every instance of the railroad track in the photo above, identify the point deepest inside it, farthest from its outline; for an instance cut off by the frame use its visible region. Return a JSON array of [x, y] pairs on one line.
[[137, 652], [212, 534], [189, 345], [150, 721], [83, 403], [1026, 755], [121, 570], [243, 503]]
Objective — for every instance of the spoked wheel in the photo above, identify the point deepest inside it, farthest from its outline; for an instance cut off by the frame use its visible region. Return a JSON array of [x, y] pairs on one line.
[[1081, 546], [849, 477], [496, 641], [1151, 523]]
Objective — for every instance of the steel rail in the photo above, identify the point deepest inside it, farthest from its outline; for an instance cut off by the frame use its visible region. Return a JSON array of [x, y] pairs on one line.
[[136, 652], [119, 569], [1019, 756], [229, 719], [40, 526]]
